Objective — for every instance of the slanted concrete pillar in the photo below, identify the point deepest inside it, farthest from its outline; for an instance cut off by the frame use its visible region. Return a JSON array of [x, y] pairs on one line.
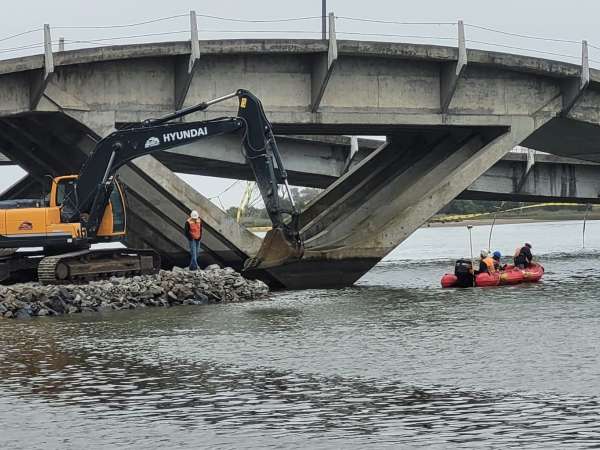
[[41, 78], [573, 89], [529, 163], [451, 72], [185, 66], [323, 67], [351, 153]]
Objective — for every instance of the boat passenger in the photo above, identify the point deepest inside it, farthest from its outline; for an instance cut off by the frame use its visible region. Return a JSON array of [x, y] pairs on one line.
[[497, 256], [523, 256], [486, 263]]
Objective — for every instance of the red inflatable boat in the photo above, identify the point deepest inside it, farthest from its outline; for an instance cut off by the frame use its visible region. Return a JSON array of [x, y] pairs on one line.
[[512, 275]]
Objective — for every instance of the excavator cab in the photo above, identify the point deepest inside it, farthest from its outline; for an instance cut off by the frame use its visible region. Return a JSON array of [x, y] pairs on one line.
[[113, 224], [25, 224]]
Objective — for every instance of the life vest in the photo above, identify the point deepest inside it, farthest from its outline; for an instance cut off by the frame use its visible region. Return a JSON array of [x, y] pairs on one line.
[[195, 228], [489, 262]]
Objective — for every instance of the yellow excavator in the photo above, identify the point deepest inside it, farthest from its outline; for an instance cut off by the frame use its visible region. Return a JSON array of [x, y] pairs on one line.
[[90, 207]]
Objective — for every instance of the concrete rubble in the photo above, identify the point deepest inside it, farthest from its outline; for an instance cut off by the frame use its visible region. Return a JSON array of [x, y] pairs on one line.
[[168, 288]]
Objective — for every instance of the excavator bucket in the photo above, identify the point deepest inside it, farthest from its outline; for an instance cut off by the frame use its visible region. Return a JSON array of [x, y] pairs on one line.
[[277, 249]]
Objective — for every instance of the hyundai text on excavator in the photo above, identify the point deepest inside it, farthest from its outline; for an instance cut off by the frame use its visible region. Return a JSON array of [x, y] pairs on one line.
[[90, 207]]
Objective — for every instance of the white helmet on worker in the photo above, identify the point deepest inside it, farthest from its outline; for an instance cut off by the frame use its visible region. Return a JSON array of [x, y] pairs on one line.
[[194, 214], [484, 253]]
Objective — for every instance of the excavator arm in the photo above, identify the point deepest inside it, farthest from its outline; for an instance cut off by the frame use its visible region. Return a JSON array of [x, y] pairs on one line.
[[95, 181]]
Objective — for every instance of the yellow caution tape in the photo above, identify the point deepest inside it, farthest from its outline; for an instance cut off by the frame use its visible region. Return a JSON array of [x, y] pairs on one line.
[[460, 217]]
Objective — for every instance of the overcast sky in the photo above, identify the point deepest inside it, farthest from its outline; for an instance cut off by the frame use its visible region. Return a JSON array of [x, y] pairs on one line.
[[550, 18]]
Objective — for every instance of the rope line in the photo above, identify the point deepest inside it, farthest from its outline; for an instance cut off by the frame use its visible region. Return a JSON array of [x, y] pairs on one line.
[[116, 38], [406, 36], [94, 41], [458, 217], [231, 19], [23, 47], [524, 36], [393, 22], [218, 196], [128, 25], [6, 38], [521, 48]]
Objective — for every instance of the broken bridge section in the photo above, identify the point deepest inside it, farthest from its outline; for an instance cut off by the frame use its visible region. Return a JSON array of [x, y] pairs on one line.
[[369, 211]]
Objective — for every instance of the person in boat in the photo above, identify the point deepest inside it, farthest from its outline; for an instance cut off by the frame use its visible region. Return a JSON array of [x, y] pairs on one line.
[[523, 256], [497, 256], [486, 263]]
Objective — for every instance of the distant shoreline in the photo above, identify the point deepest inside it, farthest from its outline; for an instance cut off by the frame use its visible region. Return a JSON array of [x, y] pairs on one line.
[[505, 221], [471, 222]]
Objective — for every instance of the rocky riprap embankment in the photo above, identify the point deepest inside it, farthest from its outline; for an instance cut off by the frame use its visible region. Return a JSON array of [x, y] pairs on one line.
[[168, 288]]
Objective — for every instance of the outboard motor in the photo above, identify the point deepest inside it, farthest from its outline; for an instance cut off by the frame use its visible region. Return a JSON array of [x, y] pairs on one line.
[[463, 269]]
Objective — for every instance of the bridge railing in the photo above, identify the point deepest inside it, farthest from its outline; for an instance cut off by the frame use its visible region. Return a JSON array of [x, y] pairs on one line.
[[179, 27]]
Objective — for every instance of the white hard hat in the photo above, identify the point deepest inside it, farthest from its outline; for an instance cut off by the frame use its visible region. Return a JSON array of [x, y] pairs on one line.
[[484, 253], [194, 214]]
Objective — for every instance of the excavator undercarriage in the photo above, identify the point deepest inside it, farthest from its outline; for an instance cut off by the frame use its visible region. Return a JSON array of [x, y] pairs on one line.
[[77, 266]]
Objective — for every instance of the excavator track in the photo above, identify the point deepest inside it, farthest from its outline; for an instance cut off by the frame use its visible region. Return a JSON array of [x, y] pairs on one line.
[[88, 265]]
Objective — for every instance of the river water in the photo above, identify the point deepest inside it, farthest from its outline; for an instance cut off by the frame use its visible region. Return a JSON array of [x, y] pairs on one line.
[[392, 361]]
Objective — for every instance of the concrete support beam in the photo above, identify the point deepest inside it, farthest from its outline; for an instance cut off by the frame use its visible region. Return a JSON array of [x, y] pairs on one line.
[[528, 166], [573, 89], [5, 160], [26, 187], [61, 44], [550, 179], [185, 66], [40, 78], [451, 72], [323, 68], [351, 154], [308, 163], [161, 201], [63, 100], [183, 194]]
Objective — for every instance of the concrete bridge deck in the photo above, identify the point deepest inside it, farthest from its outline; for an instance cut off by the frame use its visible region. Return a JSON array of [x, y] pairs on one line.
[[450, 115]]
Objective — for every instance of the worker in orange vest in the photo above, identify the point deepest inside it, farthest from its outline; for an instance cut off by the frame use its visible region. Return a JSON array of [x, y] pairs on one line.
[[486, 263], [193, 231]]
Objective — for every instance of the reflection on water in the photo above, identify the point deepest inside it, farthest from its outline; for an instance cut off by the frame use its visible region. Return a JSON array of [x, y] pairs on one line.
[[395, 360]]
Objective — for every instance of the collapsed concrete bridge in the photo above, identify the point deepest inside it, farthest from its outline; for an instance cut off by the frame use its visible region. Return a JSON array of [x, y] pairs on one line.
[[450, 115]]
